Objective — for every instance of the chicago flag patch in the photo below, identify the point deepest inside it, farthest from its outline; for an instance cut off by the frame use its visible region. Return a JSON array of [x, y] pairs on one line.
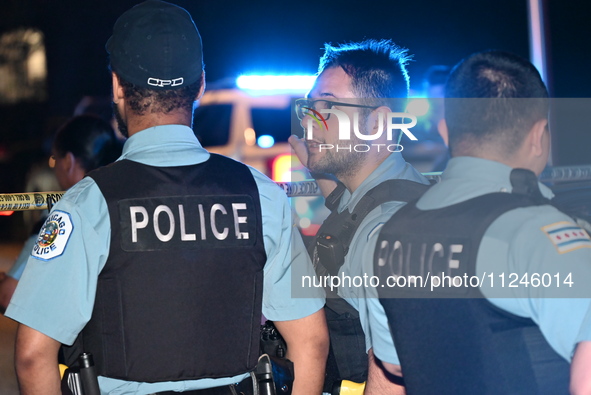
[[567, 236], [53, 236]]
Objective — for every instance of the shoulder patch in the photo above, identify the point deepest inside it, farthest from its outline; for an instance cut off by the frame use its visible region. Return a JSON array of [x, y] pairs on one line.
[[567, 236], [53, 236]]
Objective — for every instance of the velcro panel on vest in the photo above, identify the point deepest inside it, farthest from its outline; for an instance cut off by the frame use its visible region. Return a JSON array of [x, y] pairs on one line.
[[480, 349], [180, 296], [419, 252]]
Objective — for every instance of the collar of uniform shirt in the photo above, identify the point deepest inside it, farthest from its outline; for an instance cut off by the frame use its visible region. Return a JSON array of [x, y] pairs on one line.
[[166, 145], [393, 167], [470, 177]]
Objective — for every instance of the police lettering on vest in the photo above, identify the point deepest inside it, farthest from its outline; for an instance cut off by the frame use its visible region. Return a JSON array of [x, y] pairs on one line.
[[433, 266], [186, 221], [178, 251], [451, 337]]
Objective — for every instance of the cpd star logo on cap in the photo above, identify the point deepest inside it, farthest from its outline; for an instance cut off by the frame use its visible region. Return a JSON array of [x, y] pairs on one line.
[[156, 45], [54, 236]]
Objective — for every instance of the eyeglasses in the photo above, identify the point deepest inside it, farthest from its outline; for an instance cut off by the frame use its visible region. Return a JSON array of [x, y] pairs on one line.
[[304, 106]]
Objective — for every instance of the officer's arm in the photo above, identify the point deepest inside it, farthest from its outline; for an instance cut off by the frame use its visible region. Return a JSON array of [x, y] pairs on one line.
[[36, 362], [580, 371], [7, 287], [377, 380], [307, 347]]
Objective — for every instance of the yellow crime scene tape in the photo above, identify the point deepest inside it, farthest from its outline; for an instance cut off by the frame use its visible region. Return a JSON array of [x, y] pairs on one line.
[[29, 201], [46, 200]]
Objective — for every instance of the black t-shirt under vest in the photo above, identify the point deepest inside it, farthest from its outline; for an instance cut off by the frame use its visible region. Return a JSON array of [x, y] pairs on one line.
[[449, 338], [180, 295]]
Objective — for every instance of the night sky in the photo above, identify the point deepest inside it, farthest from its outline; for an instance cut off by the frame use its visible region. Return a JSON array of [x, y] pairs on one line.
[[287, 37]]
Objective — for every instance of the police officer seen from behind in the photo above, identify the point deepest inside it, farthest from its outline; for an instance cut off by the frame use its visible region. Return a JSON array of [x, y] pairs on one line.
[[518, 307], [164, 261], [82, 144], [364, 82]]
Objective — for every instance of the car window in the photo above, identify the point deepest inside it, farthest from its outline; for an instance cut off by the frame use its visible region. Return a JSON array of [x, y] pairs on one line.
[[275, 122]]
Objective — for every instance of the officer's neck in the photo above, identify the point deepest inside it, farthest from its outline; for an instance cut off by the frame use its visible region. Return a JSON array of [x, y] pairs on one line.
[[514, 161], [530, 154], [137, 123], [353, 180]]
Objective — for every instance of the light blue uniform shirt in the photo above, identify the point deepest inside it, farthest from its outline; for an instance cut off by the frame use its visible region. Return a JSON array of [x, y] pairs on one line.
[[16, 271], [394, 167], [56, 296], [518, 242]]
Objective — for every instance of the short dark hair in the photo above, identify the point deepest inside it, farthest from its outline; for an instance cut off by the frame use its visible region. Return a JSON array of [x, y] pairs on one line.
[[377, 67], [90, 139], [142, 100], [515, 98]]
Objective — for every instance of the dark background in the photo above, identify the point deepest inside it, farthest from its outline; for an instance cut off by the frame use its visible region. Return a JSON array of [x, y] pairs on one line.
[[288, 37], [271, 36], [282, 36]]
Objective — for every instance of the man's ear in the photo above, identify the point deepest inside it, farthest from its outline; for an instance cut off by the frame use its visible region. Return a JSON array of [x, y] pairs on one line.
[[374, 119], [442, 129], [70, 162], [536, 137], [118, 92], [200, 93]]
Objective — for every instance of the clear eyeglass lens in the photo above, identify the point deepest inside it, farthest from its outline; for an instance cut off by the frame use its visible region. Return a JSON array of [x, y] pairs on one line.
[[321, 105], [302, 108]]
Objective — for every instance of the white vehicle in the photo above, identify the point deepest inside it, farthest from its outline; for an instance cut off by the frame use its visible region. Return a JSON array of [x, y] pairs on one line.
[[253, 128]]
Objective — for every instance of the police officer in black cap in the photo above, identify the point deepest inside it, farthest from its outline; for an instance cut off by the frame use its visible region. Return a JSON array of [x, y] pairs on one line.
[[165, 261]]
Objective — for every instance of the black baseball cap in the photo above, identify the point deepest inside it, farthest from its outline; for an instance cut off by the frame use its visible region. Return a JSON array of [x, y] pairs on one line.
[[156, 45]]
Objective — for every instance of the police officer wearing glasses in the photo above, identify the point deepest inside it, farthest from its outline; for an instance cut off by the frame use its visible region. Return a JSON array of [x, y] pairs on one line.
[[359, 85]]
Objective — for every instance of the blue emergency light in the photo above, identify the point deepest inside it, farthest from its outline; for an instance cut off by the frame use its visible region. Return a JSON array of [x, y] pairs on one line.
[[301, 83]]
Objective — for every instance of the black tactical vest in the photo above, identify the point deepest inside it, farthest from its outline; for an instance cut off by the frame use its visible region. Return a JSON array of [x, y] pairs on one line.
[[347, 358], [180, 295], [450, 339]]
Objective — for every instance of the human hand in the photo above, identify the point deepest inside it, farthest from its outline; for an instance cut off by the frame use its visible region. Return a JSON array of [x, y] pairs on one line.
[[326, 182], [299, 147]]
